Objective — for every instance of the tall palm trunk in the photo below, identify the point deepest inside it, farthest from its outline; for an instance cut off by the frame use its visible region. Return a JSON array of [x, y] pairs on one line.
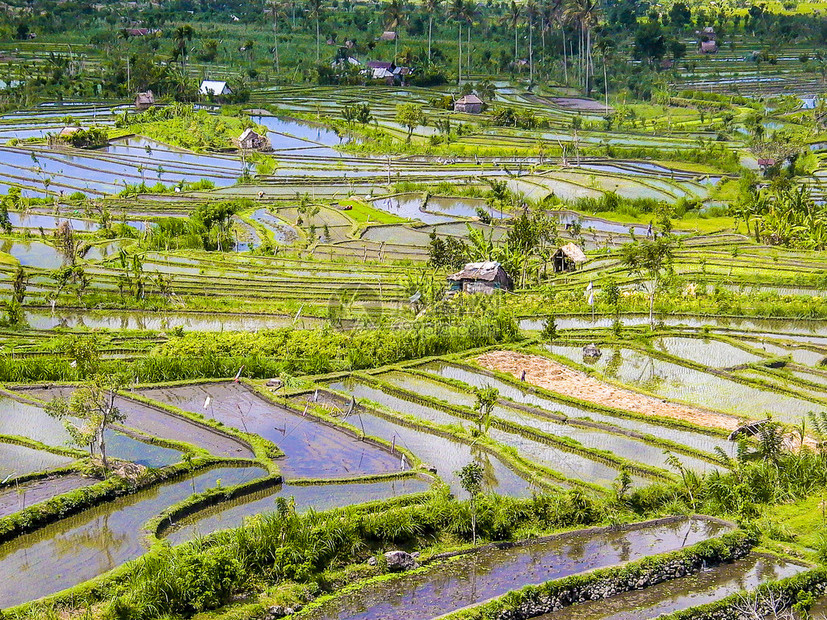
[[459, 55], [317, 40], [468, 51], [430, 31], [530, 51], [565, 56]]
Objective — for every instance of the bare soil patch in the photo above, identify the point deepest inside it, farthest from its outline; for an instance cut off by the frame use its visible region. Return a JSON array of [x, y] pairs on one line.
[[556, 377]]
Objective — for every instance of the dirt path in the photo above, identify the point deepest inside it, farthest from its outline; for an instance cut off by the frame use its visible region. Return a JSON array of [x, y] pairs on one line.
[[561, 379]]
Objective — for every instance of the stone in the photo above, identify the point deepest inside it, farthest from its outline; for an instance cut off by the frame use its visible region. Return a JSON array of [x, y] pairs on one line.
[[275, 383], [428, 467], [415, 555], [400, 561], [591, 350], [372, 561]]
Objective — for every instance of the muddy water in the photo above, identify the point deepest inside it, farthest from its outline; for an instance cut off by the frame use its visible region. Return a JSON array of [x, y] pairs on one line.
[[493, 572], [20, 496], [79, 548], [626, 447], [698, 441], [159, 423], [313, 449], [317, 497], [702, 588]]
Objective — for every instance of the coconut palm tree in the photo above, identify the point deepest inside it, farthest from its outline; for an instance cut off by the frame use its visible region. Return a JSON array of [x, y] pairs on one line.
[[395, 17], [277, 11], [431, 7], [531, 13], [584, 13], [470, 12], [183, 34], [512, 19], [315, 10], [457, 12]]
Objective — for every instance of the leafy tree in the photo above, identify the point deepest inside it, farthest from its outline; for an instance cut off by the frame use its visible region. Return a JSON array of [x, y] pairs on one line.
[[447, 252], [89, 412], [410, 115], [680, 16], [485, 399], [650, 42], [357, 113], [650, 259], [470, 478]]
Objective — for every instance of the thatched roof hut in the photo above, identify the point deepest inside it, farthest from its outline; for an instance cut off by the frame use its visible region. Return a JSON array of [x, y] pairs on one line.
[[568, 257]]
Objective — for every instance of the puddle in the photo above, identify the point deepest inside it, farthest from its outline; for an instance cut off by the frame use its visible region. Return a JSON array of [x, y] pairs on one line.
[[699, 441], [159, 423], [18, 461], [675, 382]]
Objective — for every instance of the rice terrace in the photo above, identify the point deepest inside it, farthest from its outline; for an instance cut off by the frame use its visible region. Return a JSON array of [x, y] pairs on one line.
[[390, 309]]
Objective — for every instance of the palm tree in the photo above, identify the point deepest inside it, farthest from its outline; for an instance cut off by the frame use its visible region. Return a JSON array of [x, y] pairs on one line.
[[431, 8], [277, 11], [585, 14], [395, 16], [512, 18], [469, 13], [457, 13], [531, 13], [605, 47], [558, 14], [183, 34], [315, 9]]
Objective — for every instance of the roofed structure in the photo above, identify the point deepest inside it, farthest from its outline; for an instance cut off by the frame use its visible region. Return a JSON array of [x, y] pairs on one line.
[[145, 100], [251, 140], [471, 104], [214, 88], [568, 257], [484, 277]]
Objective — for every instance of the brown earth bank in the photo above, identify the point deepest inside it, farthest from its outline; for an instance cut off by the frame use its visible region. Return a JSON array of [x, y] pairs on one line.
[[560, 379]]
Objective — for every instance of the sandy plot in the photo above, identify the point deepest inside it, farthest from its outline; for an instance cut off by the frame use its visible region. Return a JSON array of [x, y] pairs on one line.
[[561, 379]]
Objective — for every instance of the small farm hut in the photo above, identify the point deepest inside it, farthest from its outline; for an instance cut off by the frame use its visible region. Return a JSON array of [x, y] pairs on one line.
[[145, 100], [567, 258], [470, 104], [214, 88], [485, 277], [250, 140]]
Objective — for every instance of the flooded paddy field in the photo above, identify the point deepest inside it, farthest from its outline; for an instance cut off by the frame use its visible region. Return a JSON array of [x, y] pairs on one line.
[[445, 587], [312, 448], [679, 594]]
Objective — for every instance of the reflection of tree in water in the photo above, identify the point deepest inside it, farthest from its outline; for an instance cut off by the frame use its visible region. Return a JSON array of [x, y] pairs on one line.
[[623, 546], [98, 536], [613, 365], [489, 476], [576, 549]]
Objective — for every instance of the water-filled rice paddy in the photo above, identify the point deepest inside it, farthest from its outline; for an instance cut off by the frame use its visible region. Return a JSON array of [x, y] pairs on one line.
[[480, 576]]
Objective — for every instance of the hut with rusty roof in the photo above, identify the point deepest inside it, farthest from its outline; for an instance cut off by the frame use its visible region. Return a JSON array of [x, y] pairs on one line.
[[485, 277]]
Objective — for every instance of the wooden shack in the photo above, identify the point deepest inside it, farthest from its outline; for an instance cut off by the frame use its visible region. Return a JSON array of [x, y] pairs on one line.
[[145, 100], [567, 258], [485, 277], [470, 104], [249, 140]]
